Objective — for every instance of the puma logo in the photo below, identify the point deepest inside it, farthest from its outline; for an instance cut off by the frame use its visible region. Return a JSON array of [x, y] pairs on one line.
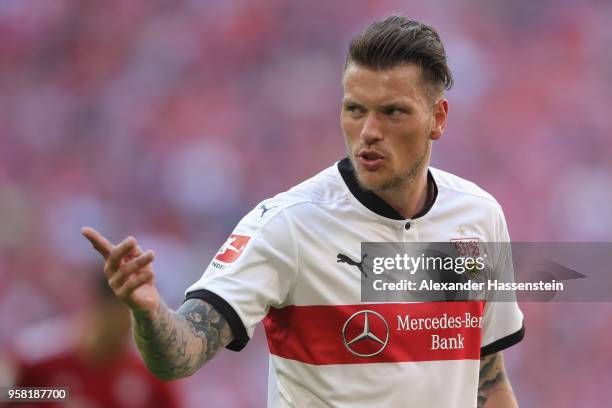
[[265, 209], [345, 259]]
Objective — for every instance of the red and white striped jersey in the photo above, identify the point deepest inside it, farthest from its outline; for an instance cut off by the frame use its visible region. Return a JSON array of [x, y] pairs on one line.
[[293, 263]]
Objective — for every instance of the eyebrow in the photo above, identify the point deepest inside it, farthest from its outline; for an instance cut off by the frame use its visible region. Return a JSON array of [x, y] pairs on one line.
[[348, 101], [390, 105], [395, 105]]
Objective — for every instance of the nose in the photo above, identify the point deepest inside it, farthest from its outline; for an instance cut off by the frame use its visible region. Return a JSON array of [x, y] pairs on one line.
[[371, 131]]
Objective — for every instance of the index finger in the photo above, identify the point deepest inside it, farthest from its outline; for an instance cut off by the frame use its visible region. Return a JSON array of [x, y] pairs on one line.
[[101, 244]]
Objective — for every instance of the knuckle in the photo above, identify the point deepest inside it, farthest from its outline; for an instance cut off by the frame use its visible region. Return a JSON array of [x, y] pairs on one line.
[[121, 247], [112, 283], [112, 257], [141, 279], [132, 266], [128, 288], [120, 294], [117, 280], [131, 285], [142, 260], [120, 273], [130, 281], [124, 290], [116, 292]]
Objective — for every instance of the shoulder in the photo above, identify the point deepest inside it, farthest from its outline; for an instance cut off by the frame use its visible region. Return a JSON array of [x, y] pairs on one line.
[[320, 190], [455, 187], [461, 198]]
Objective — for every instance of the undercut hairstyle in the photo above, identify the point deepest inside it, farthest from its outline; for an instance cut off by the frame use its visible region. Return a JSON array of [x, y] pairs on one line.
[[396, 41]]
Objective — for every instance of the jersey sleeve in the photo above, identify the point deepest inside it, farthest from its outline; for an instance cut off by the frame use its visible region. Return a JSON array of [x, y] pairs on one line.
[[503, 322], [254, 269]]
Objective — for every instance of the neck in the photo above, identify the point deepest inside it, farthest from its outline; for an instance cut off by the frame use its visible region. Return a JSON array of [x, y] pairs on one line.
[[409, 198], [412, 200]]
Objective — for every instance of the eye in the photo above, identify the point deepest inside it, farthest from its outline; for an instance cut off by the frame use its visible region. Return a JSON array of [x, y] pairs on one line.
[[354, 109], [393, 112]]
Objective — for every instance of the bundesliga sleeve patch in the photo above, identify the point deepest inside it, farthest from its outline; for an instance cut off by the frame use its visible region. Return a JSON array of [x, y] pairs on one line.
[[232, 248]]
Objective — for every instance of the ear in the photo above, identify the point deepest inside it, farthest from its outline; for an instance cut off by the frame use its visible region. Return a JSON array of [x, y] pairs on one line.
[[439, 115]]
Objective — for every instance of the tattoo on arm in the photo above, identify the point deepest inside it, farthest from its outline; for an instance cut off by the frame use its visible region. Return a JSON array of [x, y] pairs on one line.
[[176, 344], [492, 378]]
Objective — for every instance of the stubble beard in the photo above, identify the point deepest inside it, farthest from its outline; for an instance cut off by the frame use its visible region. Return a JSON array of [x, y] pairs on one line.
[[403, 178]]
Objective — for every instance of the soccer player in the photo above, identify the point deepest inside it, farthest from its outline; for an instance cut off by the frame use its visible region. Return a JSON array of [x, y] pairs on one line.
[[92, 357], [294, 261]]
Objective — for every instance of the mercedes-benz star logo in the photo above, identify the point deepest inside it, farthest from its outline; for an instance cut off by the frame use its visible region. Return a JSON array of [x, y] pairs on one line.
[[367, 334]]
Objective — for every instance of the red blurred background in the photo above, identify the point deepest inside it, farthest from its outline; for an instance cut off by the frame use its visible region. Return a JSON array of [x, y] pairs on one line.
[[169, 120]]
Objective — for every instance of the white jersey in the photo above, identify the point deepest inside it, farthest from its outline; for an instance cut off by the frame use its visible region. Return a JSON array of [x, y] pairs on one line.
[[293, 262]]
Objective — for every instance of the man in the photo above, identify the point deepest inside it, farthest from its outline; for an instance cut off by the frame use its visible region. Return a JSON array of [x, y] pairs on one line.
[[92, 357], [293, 261]]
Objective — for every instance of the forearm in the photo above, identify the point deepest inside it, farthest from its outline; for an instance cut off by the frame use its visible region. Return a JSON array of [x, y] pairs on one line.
[[494, 389], [169, 348], [501, 398], [172, 344], [175, 344]]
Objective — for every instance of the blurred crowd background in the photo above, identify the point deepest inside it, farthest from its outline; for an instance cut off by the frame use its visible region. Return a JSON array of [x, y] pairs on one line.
[[169, 120]]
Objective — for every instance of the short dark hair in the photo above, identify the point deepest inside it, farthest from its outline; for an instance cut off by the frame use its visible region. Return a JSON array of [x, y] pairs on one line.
[[397, 40]]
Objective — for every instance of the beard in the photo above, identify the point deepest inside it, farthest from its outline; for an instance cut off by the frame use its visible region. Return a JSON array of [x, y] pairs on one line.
[[402, 178]]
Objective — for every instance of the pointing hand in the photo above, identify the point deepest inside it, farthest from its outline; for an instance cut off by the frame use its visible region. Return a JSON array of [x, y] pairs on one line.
[[128, 270]]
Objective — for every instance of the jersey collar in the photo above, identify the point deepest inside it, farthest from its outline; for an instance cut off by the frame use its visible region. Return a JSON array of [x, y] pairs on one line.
[[376, 204]]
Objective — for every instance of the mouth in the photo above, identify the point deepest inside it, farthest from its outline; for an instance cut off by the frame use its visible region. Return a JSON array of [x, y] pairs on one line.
[[370, 159]]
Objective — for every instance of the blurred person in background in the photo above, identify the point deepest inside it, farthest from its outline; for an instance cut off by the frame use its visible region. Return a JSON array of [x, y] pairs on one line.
[[93, 357], [393, 109]]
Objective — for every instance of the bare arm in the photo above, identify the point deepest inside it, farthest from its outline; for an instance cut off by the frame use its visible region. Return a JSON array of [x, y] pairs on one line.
[[172, 344], [176, 344], [494, 389]]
